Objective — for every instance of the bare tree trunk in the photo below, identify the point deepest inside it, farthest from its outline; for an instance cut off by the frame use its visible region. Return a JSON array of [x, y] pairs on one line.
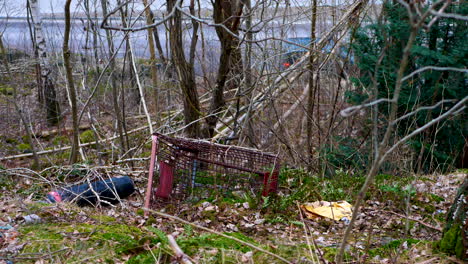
[[248, 69], [129, 54], [115, 96], [154, 72], [91, 27], [228, 13], [158, 42], [47, 93], [185, 73], [70, 83], [312, 87]]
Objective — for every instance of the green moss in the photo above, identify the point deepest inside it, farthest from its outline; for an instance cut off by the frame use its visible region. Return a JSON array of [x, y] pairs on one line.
[[45, 231], [452, 242], [145, 258], [87, 136], [11, 141], [6, 183], [36, 207], [145, 153], [329, 253], [6, 90], [393, 246], [193, 244], [60, 140], [436, 198], [23, 147], [161, 235], [397, 243], [140, 212], [107, 241], [103, 218]]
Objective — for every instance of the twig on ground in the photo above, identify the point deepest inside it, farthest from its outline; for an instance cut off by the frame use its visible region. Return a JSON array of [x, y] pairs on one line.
[[313, 255], [429, 261], [179, 254], [217, 233], [416, 220]]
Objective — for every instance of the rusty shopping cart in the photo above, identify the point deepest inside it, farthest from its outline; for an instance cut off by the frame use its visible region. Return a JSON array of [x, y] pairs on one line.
[[187, 165]]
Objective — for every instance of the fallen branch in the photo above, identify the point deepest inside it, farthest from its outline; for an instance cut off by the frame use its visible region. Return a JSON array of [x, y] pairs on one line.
[[69, 147], [416, 220], [179, 254], [65, 130], [277, 87], [217, 233], [132, 160], [429, 261]]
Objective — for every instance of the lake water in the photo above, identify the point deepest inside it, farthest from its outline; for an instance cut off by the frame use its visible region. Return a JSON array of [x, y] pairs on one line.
[[16, 35]]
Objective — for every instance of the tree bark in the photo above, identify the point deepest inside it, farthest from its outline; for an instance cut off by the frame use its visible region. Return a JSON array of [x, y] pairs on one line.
[[154, 72], [312, 87], [227, 13], [157, 41], [185, 74], [248, 75], [115, 97], [46, 89], [71, 86]]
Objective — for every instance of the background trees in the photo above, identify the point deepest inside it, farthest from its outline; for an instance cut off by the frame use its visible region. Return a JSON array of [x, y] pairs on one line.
[[443, 47], [227, 78]]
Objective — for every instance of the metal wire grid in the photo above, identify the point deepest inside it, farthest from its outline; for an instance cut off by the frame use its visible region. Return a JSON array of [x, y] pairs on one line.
[[200, 166]]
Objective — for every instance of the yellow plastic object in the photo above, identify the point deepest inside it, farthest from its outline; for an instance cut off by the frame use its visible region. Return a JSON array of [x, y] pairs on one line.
[[332, 210]]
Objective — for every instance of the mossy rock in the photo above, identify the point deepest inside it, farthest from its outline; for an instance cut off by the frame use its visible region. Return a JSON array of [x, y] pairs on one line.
[[87, 136]]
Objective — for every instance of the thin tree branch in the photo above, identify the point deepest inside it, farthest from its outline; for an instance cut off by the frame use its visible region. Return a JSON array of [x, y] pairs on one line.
[[353, 109], [449, 15], [451, 111], [435, 68], [422, 109], [104, 24]]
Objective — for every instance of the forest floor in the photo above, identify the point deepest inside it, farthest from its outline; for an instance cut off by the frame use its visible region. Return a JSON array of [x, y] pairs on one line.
[[66, 233]]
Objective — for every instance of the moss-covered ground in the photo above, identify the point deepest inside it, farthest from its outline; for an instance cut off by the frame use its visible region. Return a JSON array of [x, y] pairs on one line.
[[122, 234]]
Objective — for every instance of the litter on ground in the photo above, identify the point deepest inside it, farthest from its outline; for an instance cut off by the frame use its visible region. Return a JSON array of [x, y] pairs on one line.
[[333, 210]]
